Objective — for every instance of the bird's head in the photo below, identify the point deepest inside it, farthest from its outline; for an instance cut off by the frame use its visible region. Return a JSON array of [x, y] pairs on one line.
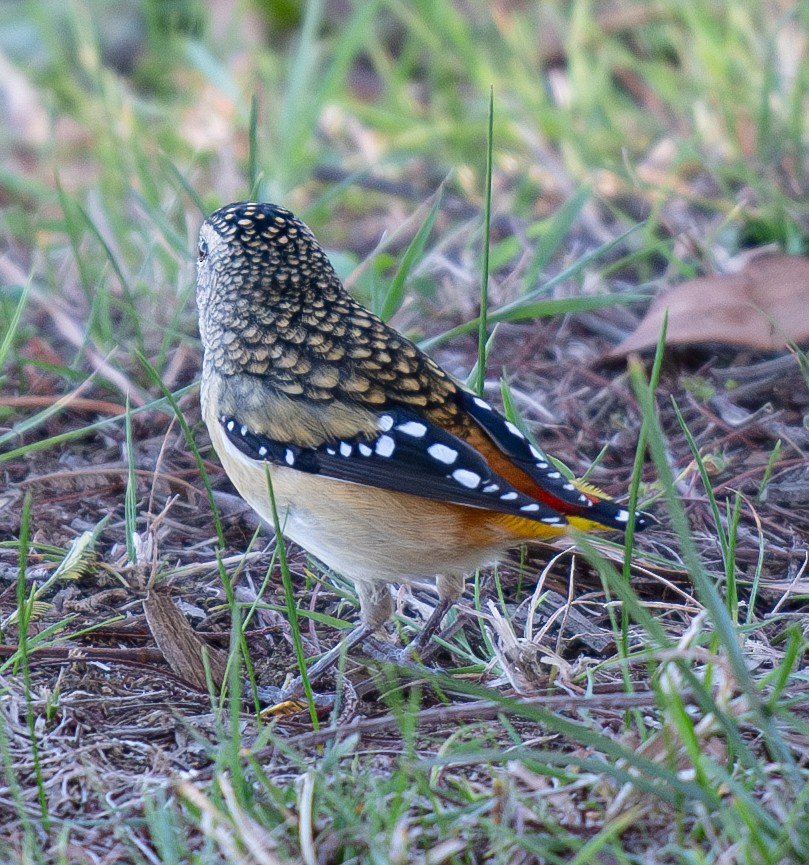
[[257, 252], [259, 270]]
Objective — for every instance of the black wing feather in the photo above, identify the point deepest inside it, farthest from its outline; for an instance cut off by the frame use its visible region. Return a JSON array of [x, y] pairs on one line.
[[408, 455], [536, 464]]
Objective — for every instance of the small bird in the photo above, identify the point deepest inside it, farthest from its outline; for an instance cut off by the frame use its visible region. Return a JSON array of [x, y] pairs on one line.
[[381, 464]]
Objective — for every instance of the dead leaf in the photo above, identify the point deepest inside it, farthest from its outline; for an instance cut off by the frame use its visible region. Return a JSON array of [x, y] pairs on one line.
[[180, 646], [765, 306]]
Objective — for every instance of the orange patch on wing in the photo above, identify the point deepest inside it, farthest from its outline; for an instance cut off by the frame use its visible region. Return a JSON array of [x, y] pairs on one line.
[[503, 465]]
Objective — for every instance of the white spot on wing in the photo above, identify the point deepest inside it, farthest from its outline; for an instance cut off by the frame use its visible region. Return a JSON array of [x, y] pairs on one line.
[[289, 457], [365, 450], [622, 516], [442, 453], [413, 428], [466, 478], [262, 451], [509, 497], [481, 403], [536, 452], [491, 488], [243, 431], [385, 446], [385, 422], [515, 431], [345, 449], [529, 508], [230, 426], [331, 452], [552, 521], [554, 475]]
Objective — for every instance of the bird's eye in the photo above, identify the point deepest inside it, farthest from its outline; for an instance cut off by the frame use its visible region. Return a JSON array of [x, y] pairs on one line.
[[202, 251]]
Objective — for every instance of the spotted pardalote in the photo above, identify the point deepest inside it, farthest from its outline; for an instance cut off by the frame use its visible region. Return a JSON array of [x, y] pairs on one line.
[[381, 464]]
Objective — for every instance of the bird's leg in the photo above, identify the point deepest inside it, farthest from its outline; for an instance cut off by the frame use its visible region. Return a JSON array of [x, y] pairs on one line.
[[450, 588], [418, 650], [422, 639], [376, 607], [445, 635]]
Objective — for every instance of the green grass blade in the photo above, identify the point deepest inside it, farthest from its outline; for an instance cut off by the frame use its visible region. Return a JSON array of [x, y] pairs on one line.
[[190, 441], [707, 592], [292, 607], [553, 233], [393, 297], [25, 603], [131, 494], [13, 325], [487, 231]]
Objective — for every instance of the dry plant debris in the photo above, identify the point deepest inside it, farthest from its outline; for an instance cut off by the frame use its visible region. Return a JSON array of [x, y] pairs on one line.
[[763, 306]]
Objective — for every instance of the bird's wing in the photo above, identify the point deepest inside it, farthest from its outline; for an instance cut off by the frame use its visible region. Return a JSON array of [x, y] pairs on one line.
[[407, 453], [523, 464]]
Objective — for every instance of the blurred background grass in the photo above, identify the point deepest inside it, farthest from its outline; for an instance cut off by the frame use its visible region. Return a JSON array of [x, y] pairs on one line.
[[125, 123]]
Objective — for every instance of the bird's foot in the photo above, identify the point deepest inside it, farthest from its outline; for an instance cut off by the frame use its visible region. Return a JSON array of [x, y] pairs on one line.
[[294, 692], [417, 653], [413, 657], [407, 657]]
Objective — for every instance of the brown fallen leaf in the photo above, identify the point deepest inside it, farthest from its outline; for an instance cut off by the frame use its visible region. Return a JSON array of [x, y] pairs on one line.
[[765, 306], [181, 647]]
